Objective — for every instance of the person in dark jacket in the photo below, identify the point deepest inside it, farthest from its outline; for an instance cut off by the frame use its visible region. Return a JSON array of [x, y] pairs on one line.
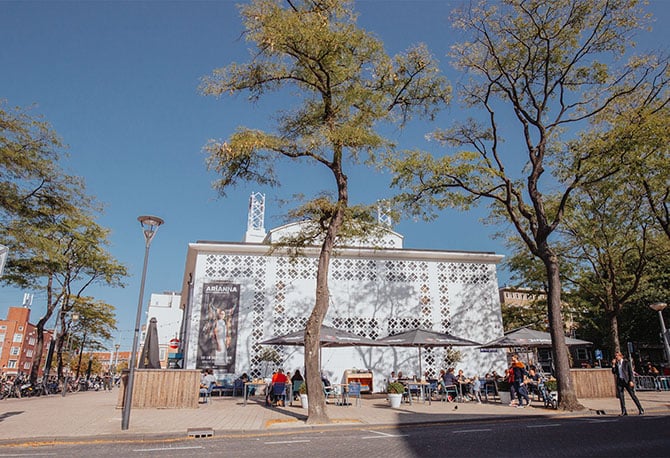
[[519, 371], [623, 371]]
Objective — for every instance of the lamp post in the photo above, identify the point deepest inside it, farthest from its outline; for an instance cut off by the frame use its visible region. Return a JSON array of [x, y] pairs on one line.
[[659, 306], [116, 358], [150, 225]]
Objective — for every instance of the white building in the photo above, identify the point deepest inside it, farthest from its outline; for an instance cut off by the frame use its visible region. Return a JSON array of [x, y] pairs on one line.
[[236, 295], [166, 308]]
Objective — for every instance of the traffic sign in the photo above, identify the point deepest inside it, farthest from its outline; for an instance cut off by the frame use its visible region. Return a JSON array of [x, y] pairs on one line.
[[174, 344], [599, 354]]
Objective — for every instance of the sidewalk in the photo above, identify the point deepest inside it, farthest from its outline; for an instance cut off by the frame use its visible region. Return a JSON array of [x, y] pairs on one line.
[[93, 416]]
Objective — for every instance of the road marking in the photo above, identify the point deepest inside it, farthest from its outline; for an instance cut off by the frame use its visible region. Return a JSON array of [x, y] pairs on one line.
[[164, 449], [383, 435], [27, 454], [543, 426], [288, 442], [472, 430], [601, 421]]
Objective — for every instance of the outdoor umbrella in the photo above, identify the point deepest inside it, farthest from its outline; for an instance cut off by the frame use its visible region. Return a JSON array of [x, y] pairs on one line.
[[328, 337], [150, 358], [424, 338], [531, 338]]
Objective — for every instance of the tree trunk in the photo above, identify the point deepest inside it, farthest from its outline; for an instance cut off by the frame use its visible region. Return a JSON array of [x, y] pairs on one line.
[[37, 355], [316, 410], [614, 332], [567, 397]]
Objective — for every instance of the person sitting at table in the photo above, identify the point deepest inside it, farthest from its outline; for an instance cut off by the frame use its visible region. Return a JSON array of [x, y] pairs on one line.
[[278, 377], [449, 380], [207, 378], [464, 385], [532, 380], [401, 377], [239, 384], [393, 377]]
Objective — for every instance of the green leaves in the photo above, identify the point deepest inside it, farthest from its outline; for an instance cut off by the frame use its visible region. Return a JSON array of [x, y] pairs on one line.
[[347, 86]]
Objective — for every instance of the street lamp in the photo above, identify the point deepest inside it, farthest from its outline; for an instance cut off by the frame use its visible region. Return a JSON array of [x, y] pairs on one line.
[[116, 358], [659, 306], [150, 225]]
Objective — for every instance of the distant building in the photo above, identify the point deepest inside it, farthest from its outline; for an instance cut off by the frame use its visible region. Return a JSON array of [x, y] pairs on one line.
[[166, 308], [109, 360], [18, 342], [237, 294], [525, 297], [520, 296]]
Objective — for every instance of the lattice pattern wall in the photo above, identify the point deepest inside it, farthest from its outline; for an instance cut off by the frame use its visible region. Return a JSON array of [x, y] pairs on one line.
[[430, 303]]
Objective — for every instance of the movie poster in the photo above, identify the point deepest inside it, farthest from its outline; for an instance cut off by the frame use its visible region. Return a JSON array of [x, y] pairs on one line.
[[217, 341]]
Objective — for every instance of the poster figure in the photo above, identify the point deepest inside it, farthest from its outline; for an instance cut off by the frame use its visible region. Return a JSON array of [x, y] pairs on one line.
[[217, 338], [222, 335]]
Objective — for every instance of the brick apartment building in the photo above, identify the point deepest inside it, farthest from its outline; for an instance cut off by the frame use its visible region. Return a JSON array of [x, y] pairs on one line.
[[18, 341]]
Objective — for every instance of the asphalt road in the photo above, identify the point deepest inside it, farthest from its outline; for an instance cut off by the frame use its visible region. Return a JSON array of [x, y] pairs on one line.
[[632, 436]]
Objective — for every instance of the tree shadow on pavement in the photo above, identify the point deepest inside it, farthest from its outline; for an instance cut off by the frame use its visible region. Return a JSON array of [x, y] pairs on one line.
[[9, 414]]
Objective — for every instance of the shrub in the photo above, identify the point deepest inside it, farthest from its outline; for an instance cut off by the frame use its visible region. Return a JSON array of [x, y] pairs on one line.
[[303, 388], [395, 387], [551, 385]]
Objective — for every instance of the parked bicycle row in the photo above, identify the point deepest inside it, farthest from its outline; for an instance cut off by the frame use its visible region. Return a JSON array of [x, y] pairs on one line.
[[20, 387]]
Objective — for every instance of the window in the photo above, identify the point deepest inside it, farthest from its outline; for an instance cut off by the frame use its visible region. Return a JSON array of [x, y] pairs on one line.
[[18, 337], [11, 364], [31, 341], [26, 365], [582, 353], [3, 326], [14, 351], [29, 353], [2, 337], [20, 328]]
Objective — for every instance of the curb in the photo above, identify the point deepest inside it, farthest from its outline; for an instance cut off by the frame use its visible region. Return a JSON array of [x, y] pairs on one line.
[[302, 429]]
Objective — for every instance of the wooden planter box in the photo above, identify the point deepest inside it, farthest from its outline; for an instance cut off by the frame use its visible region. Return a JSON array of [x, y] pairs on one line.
[[167, 388], [593, 383]]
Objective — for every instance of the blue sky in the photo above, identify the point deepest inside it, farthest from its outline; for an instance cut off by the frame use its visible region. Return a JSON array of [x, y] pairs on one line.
[[118, 82]]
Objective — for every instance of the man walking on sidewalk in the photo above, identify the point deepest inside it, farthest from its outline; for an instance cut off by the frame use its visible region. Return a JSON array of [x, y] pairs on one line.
[[623, 371]]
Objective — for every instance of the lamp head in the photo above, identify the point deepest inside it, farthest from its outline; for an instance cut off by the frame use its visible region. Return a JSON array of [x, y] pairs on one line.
[[150, 225], [658, 306]]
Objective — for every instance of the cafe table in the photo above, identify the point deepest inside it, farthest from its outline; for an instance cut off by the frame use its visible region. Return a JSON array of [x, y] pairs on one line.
[[267, 386], [423, 387], [340, 392]]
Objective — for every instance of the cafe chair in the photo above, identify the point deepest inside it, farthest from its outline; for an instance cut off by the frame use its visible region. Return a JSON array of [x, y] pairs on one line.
[[329, 392], [354, 391], [279, 393], [489, 388], [206, 393], [450, 393]]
